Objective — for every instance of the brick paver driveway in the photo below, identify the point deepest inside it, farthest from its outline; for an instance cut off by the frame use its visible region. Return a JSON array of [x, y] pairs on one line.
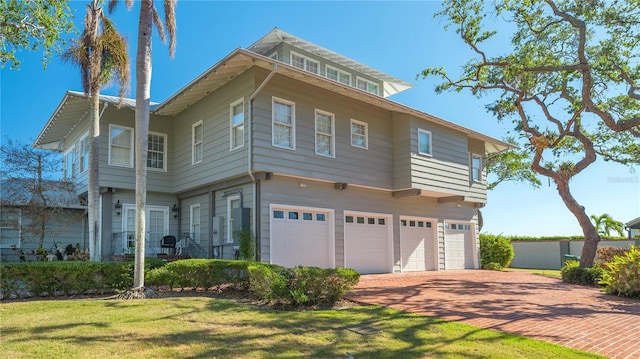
[[514, 302]]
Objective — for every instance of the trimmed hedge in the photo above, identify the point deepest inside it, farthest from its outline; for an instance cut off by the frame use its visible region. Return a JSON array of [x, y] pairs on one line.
[[64, 278], [560, 238], [268, 282], [573, 273]]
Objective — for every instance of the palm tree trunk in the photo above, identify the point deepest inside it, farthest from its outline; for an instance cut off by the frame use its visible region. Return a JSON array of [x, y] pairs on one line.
[[143, 93], [93, 178]]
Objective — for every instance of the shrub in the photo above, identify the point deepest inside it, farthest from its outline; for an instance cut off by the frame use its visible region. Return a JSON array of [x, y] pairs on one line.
[[573, 273], [621, 276], [607, 254], [247, 246], [301, 285], [63, 277], [495, 249], [492, 266]]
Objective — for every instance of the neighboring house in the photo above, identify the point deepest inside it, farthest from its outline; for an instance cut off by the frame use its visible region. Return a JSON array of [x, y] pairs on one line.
[[633, 227], [299, 145], [24, 216]]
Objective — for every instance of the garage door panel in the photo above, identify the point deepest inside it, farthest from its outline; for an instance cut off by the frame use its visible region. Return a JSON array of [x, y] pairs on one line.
[[368, 242], [301, 237], [417, 244], [459, 246]]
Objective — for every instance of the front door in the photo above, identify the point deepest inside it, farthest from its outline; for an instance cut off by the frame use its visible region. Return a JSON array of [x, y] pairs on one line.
[[157, 226]]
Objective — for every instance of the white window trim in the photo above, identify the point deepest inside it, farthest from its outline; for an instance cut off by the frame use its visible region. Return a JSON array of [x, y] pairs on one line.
[[66, 163], [327, 67], [164, 153], [192, 222], [232, 127], [333, 132], [293, 123], [358, 78], [130, 165], [430, 154], [273, 55], [84, 138], [306, 60], [473, 170], [19, 211], [193, 142], [71, 150], [229, 233], [366, 134]]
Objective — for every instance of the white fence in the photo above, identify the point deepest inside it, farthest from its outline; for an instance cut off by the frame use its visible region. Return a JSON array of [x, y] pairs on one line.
[[550, 254]]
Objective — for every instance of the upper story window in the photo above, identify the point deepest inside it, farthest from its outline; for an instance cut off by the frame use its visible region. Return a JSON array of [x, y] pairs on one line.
[[338, 75], [359, 134], [367, 85], [325, 138], [77, 157], [304, 63], [157, 151], [236, 115], [197, 139], [9, 227], [284, 123], [424, 142], [120, 146], [476, 167]]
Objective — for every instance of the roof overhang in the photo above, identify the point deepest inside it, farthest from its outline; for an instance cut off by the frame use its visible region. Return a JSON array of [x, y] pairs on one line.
[[634, 223], [73, 109], [240, 60], [391, 85]]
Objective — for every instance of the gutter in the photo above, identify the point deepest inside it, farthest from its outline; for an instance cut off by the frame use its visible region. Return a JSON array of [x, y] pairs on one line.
[[250, 160]]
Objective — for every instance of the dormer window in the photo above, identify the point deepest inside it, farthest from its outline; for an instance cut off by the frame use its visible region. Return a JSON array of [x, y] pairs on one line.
[[304, 63], [337, 75], [367, 85]]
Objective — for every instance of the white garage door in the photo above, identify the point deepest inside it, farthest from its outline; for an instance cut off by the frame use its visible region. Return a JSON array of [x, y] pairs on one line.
[[368, 242], [458, 245], [417, 244], [302, 236]]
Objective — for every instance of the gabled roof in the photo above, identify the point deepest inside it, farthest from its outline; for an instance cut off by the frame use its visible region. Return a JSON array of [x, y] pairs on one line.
[[241, 60], [18, 192], [634, 223], [391, 85], [74, 108]]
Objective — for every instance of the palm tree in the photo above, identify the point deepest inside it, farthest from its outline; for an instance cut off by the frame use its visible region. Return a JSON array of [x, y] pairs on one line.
[[148, 18], [605, 224], [101, 54]]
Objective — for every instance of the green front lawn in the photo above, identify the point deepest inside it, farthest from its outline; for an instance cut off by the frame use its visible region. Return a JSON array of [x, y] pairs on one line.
[[204, 327], [553, 273]]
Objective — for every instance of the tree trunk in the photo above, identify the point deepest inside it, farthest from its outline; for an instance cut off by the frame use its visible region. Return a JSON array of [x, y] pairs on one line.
[[143, 93], [591, 236], [93, 177]]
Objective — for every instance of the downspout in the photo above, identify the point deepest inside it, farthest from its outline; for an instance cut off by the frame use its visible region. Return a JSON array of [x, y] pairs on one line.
[[98, 234], [250, 159]]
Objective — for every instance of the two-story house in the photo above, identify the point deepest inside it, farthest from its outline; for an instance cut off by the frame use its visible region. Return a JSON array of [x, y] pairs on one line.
[[300, 146]]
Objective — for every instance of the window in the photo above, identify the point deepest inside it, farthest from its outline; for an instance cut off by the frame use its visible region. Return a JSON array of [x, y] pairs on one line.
[[197, 137], [367, 85], [293, 215], [359, 134], [120, 146], [337, 75], [321, 217], [9, 227], [233, 202], [278, 214], [157, 151], [325, 144], [83, 145], [304, 63], [284, 123], [194, 214], [424, 142], [476, 167], [236, 114], [77, 157]]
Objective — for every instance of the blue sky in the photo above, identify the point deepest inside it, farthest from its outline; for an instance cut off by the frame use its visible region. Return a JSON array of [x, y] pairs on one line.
[[399, 38]]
